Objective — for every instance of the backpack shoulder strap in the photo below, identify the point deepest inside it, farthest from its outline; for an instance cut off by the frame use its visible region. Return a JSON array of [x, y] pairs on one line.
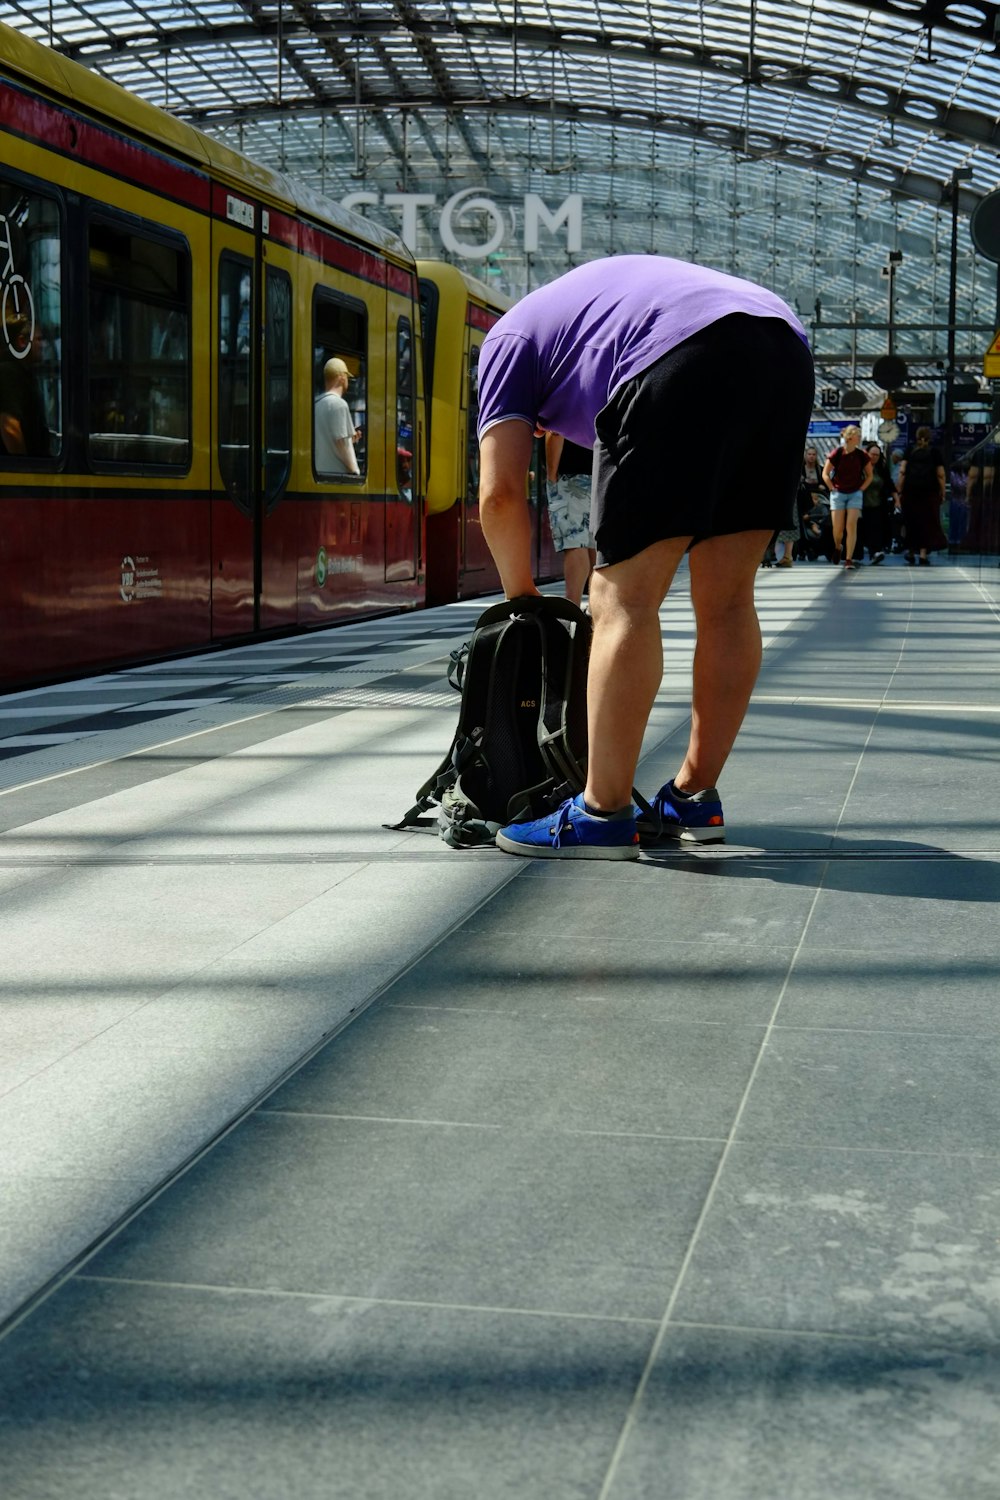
[[562, 717]]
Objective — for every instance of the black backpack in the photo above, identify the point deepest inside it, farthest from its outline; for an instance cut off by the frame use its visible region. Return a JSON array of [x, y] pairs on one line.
[[521, 743]]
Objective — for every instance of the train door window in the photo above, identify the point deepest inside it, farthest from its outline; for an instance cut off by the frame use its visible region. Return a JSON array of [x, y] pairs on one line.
[[404, 409], [31, 322], [430, 299], [340, 332], [235, 323], [277, 384], [139, 348], [471, 430]]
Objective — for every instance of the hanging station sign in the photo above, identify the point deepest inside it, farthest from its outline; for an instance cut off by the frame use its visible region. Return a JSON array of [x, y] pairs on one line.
[[474, 226]]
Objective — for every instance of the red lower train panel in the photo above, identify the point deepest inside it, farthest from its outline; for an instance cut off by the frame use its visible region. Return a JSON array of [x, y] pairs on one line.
[[87, 583]]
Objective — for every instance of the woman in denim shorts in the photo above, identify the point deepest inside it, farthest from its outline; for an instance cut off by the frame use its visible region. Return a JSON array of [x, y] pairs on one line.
[[848, 472]]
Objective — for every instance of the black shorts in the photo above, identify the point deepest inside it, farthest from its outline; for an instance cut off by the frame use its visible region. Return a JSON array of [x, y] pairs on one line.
[[706, 441]]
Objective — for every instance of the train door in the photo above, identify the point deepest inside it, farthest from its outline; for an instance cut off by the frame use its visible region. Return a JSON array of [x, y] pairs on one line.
[[475, 553], [402, 510], [236, 540], [276, 524]]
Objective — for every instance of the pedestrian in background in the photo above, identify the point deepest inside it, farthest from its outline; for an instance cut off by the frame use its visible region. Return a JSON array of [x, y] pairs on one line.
[[568, 469], [921, 493], [876, 510], [847, 473]]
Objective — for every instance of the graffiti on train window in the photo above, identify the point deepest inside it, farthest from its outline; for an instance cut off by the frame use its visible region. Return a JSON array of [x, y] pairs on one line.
[[31, 322], [405, 396], [340, 386], [139, 349]]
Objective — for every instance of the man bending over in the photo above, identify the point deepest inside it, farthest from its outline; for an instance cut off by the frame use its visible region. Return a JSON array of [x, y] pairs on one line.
[[631, 356]]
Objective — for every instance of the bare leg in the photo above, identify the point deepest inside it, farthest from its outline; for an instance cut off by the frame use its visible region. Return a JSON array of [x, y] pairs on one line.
[[838, 520], [852, 532], [727, 652], [626, 664], [576, 567]]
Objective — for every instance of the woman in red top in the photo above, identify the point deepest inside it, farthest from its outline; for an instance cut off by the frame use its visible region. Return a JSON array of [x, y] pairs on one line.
[[848, 472]]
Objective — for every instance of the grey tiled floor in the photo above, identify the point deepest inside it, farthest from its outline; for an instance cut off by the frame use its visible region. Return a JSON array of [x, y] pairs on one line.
[[676, 1181]]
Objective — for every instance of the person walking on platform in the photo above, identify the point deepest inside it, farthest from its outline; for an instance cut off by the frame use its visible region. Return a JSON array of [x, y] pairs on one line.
[[568, 469], [877, 507], [626, 355], [921, 493], [814, 508], [848, 473]]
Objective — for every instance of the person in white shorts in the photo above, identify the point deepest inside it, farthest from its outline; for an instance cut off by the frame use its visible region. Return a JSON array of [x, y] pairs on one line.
[[568, 468]]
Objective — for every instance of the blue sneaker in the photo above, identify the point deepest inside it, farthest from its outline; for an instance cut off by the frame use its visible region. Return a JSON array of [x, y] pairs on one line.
[[572, 833], [691, 820]]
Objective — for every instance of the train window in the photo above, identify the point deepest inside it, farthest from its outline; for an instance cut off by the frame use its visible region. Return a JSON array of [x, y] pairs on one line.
[[139, 348], [471, 433], [340, 333], [277, 384], [235, 321], [430, 299], [404, 409], [31, 320]]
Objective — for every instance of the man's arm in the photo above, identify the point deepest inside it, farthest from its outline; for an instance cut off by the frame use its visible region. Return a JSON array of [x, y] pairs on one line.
[[504, 460], [346, 454], [11, 433]]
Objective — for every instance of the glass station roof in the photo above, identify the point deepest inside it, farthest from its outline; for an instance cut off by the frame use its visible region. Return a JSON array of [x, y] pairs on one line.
[[795, 142]]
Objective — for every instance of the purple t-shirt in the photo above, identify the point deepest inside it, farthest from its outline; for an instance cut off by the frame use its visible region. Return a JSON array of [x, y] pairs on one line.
[[558, 356]]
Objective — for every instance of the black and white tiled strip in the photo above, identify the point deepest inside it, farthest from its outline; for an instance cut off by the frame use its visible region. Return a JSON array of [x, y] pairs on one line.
[[46, 730]]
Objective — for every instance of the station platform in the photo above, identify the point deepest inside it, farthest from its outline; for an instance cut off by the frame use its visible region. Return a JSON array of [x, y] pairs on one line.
[[340, 1165]]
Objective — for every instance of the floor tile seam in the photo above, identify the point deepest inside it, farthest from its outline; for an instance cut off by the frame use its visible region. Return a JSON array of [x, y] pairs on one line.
[[100, 1241], [738, 942], [804, 1147], [893, 1031], [577, 1015], [284, 1293], [885, 1339], [571, 1012], [642, 1384], [550, 1129], [908, 706]]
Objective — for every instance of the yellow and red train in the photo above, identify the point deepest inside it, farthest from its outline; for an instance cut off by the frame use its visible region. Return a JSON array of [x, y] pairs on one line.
[[166, 310]]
